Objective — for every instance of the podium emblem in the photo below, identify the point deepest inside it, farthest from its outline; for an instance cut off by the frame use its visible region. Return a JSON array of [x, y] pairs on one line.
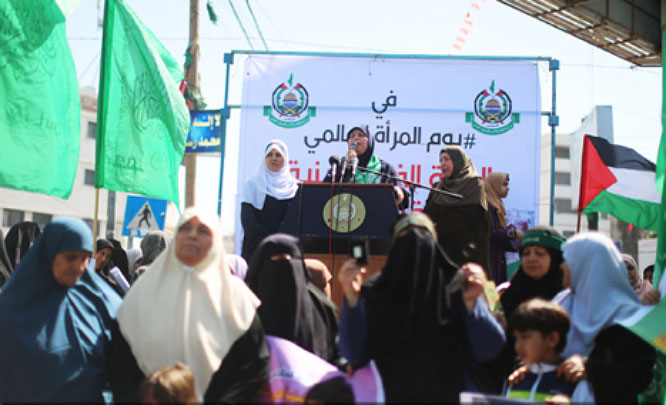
[[344, 213]]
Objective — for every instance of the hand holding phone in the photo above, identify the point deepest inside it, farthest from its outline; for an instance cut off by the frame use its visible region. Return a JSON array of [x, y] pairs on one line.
[[359, 251]]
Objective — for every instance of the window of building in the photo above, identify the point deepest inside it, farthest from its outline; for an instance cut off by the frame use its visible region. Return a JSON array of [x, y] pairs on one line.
[[563, 178], [11, 217], [562, 152], [563, 205], [604, 215], [41, 219], [92, 130], [89, 177]]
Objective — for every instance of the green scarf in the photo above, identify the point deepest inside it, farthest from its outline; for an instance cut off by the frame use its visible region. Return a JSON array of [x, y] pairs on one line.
[[374, 164]]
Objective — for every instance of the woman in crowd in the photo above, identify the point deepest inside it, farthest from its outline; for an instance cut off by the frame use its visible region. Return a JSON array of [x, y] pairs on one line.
[[154, 243], [362, 147], [539, 274], [647, 294], [19, 239], [462, 224], [420, 319], [266, 197], [133, 260], [119, 259], [291, 307], [103, 264], [502, 238], [616, 364], [56, 318], [189, 308]]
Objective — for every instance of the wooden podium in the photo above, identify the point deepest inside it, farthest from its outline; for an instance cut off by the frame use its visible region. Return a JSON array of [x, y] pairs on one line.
[[326, 218]]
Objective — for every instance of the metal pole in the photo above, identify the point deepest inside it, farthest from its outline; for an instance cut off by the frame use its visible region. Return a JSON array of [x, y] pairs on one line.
[[192, 77], [95, 222], [225, 113], [553, 121]]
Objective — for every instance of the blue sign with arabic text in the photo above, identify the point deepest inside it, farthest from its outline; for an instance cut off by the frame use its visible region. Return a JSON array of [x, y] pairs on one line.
[[205, 134]]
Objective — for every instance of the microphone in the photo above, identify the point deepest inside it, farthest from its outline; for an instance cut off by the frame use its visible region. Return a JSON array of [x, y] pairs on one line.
[[354, 161], [334, 161]]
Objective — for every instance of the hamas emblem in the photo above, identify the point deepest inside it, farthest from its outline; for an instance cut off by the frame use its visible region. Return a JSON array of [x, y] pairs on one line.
[[492, 112], [348, 213], [289, 108]]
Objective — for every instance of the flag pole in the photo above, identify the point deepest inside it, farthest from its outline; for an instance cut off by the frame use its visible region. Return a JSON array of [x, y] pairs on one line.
[[95, 224], [583, 177]]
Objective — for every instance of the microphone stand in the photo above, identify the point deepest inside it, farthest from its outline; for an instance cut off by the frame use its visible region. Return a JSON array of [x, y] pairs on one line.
[[412, 185]]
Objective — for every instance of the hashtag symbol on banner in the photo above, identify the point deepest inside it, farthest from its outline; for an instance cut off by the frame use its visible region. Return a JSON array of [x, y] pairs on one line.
[[469, 141]]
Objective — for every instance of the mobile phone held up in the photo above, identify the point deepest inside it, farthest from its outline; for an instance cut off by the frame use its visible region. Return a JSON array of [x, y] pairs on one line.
[[359, 250]]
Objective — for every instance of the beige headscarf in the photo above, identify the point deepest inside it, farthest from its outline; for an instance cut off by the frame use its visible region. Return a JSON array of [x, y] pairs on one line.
[[493, 185], [464, 180], [176, 313]]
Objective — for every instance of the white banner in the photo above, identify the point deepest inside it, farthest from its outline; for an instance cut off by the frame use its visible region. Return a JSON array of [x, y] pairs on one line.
[[413, 107]]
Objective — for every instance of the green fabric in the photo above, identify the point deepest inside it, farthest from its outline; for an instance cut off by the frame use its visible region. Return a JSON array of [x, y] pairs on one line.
[[652, 328], [374, 164], [511, 268], [532, 238], [643, 214], [656, 391], [661, 177], [211, 12], [68, 6], [142, 119], [538, 396], [40, 112]]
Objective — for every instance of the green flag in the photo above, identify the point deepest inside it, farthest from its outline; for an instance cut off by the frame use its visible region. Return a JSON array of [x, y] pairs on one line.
[[142, 119], [39, 99], [661, 177]]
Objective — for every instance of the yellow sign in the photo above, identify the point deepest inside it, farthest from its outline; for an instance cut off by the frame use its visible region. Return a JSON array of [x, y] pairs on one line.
[[344, 213]]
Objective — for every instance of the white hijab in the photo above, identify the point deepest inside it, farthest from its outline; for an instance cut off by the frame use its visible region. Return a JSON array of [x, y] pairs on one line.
[[176, 313], [280, 185], [600, 294]]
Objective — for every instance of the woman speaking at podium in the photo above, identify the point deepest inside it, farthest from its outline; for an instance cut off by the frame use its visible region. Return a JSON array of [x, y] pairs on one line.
[[361, 150], [266, 197]]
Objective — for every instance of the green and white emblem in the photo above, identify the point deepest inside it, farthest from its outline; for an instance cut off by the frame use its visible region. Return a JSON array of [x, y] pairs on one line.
[[492, 112], [289, 107]]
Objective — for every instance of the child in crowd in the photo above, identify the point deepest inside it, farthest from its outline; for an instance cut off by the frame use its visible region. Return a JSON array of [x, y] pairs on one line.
[[169, 385], [540, 329]]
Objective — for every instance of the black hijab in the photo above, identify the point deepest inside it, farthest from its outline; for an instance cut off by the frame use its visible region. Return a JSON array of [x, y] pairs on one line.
[[287, 309], [415, 331], [418, 287], [19, 239], [119, 258], [365, 157], [523, 287]]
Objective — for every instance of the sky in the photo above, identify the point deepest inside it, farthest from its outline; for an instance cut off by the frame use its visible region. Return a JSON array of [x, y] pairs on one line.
[[587, 77]]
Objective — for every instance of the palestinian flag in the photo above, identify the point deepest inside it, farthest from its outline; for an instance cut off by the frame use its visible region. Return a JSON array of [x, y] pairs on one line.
[[618, 181]]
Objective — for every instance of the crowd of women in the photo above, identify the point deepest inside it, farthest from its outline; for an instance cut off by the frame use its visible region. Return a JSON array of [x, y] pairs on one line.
[[69, 332]]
